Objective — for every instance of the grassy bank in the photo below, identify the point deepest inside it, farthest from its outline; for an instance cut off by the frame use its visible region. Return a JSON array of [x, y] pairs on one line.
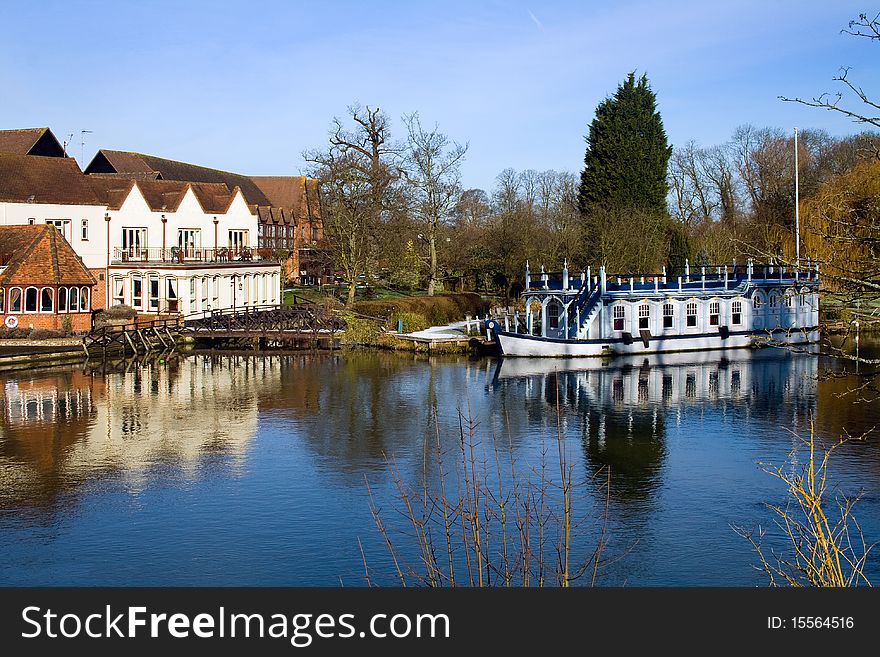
[[419, 313]]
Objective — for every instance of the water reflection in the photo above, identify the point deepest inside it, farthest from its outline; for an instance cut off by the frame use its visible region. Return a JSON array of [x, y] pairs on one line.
[[63, 428]]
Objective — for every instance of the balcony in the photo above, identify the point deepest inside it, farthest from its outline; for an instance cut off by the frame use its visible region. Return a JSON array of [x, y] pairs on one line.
[[192, 256]]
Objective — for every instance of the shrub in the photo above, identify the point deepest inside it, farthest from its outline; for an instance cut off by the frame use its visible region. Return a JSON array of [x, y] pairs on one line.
[[119, 311], [411, 321], [438, 310]]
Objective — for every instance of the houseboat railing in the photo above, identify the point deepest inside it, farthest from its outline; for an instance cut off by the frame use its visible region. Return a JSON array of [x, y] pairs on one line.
[[181, 255]]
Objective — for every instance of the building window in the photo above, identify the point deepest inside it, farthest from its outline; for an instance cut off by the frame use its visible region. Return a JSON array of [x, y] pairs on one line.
[[84, 304], [644, 316], [205, 293], [553, 315], [215, 296], [668, 315], [714, 313], [788, 299], [118, 291], [246, 289], [84, 230], [2, 299], [171, 296], [314, 233], [134, 241], [153, 293], [691, 314], [73, 300], [30, 300], [63, 225], [62, 299], [32, 221], [774, 300], [192, 295], [619, 316], [15, 300], [255, 290], [238, 239], [47, 300], [137, 292], [757, 301], [736, 309], [189, 240]]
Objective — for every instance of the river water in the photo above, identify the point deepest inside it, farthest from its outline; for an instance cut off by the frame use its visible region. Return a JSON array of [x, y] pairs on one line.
[[259, 470]]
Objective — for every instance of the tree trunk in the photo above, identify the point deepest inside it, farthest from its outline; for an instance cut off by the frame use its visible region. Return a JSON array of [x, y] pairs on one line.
[[432, 249], [349, 302]]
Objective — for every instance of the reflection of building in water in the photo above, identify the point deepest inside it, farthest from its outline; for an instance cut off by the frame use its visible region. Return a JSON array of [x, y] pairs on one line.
[[61, 429], [622, 407]]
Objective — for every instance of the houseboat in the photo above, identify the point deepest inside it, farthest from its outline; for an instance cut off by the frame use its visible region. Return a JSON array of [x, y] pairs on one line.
[[722, 307]]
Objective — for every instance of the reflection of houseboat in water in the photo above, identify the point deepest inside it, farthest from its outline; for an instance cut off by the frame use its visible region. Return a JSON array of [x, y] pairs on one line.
[[714, 308], [665, 379]]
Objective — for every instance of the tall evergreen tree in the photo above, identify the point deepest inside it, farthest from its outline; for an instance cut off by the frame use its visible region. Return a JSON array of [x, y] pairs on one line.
[[627, 152]]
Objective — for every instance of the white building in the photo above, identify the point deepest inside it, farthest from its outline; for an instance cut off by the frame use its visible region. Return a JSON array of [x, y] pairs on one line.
[[160, 246]]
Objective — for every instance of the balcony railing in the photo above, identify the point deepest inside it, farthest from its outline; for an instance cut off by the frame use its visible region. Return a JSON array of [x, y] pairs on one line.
[[192, 255]]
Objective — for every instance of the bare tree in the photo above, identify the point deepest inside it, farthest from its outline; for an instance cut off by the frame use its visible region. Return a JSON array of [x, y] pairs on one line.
[[863, 27], [433, 170], [357, 173]]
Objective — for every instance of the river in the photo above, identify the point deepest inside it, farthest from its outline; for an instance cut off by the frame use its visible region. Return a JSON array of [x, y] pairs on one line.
[[259, 470]]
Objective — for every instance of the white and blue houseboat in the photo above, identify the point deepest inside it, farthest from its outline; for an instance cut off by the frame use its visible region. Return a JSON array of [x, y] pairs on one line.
[[709, 308]]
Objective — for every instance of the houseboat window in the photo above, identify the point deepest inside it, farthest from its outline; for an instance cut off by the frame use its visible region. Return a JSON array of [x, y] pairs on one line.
[[803, 299], [668, 314], [736, 309], [619, 316], [137, 292], [238, 239], [692, 313], [47, 300], [84, 230], [134, 240], [644, 316], [774, 300], [788, 299], [153, 293], [15, 300], [73, 300], [714, 313], [118, 291], [62, 299], [553, 315], [757, 301], [84, 300], [30, 300], [171, 296]]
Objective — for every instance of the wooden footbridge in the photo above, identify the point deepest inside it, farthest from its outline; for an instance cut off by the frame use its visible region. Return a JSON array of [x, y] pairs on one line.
[[298, 325]]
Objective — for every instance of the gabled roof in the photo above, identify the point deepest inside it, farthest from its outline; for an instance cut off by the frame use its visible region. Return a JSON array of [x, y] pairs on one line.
[[39, 255], [30, 141], [139, 164], [163, 195], [37, 179], [295, 193]]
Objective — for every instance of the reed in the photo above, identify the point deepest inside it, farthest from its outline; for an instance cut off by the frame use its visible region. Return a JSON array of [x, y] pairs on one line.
[[824, 543], [479, 517]]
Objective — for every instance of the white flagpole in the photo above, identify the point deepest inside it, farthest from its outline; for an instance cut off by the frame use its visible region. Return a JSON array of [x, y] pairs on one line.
[[797, 212]]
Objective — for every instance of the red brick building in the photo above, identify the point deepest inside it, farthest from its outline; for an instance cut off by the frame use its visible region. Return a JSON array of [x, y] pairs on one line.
[[43, 282]]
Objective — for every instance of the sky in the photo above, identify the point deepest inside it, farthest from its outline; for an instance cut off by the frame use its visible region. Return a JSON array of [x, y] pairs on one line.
[[249, 86]]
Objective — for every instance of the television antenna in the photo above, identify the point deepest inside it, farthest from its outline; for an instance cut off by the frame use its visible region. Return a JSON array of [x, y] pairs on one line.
[[82, 147], [65, 143]]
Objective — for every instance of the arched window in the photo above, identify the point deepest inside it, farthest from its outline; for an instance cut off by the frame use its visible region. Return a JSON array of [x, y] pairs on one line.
[[62, 299], [788, 299], [691, 313], [668, 315], [553, 315], [30, 300], [118, 291], [618, 316], [47, 300], [644, 316], [73, 300], [2, 300], [774, 300], [714, 313], [736, 309], [84, 305], [758, 301], [15, 300]]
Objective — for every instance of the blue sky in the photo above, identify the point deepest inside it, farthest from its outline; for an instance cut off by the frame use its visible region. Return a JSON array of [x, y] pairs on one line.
[[247, 86]]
